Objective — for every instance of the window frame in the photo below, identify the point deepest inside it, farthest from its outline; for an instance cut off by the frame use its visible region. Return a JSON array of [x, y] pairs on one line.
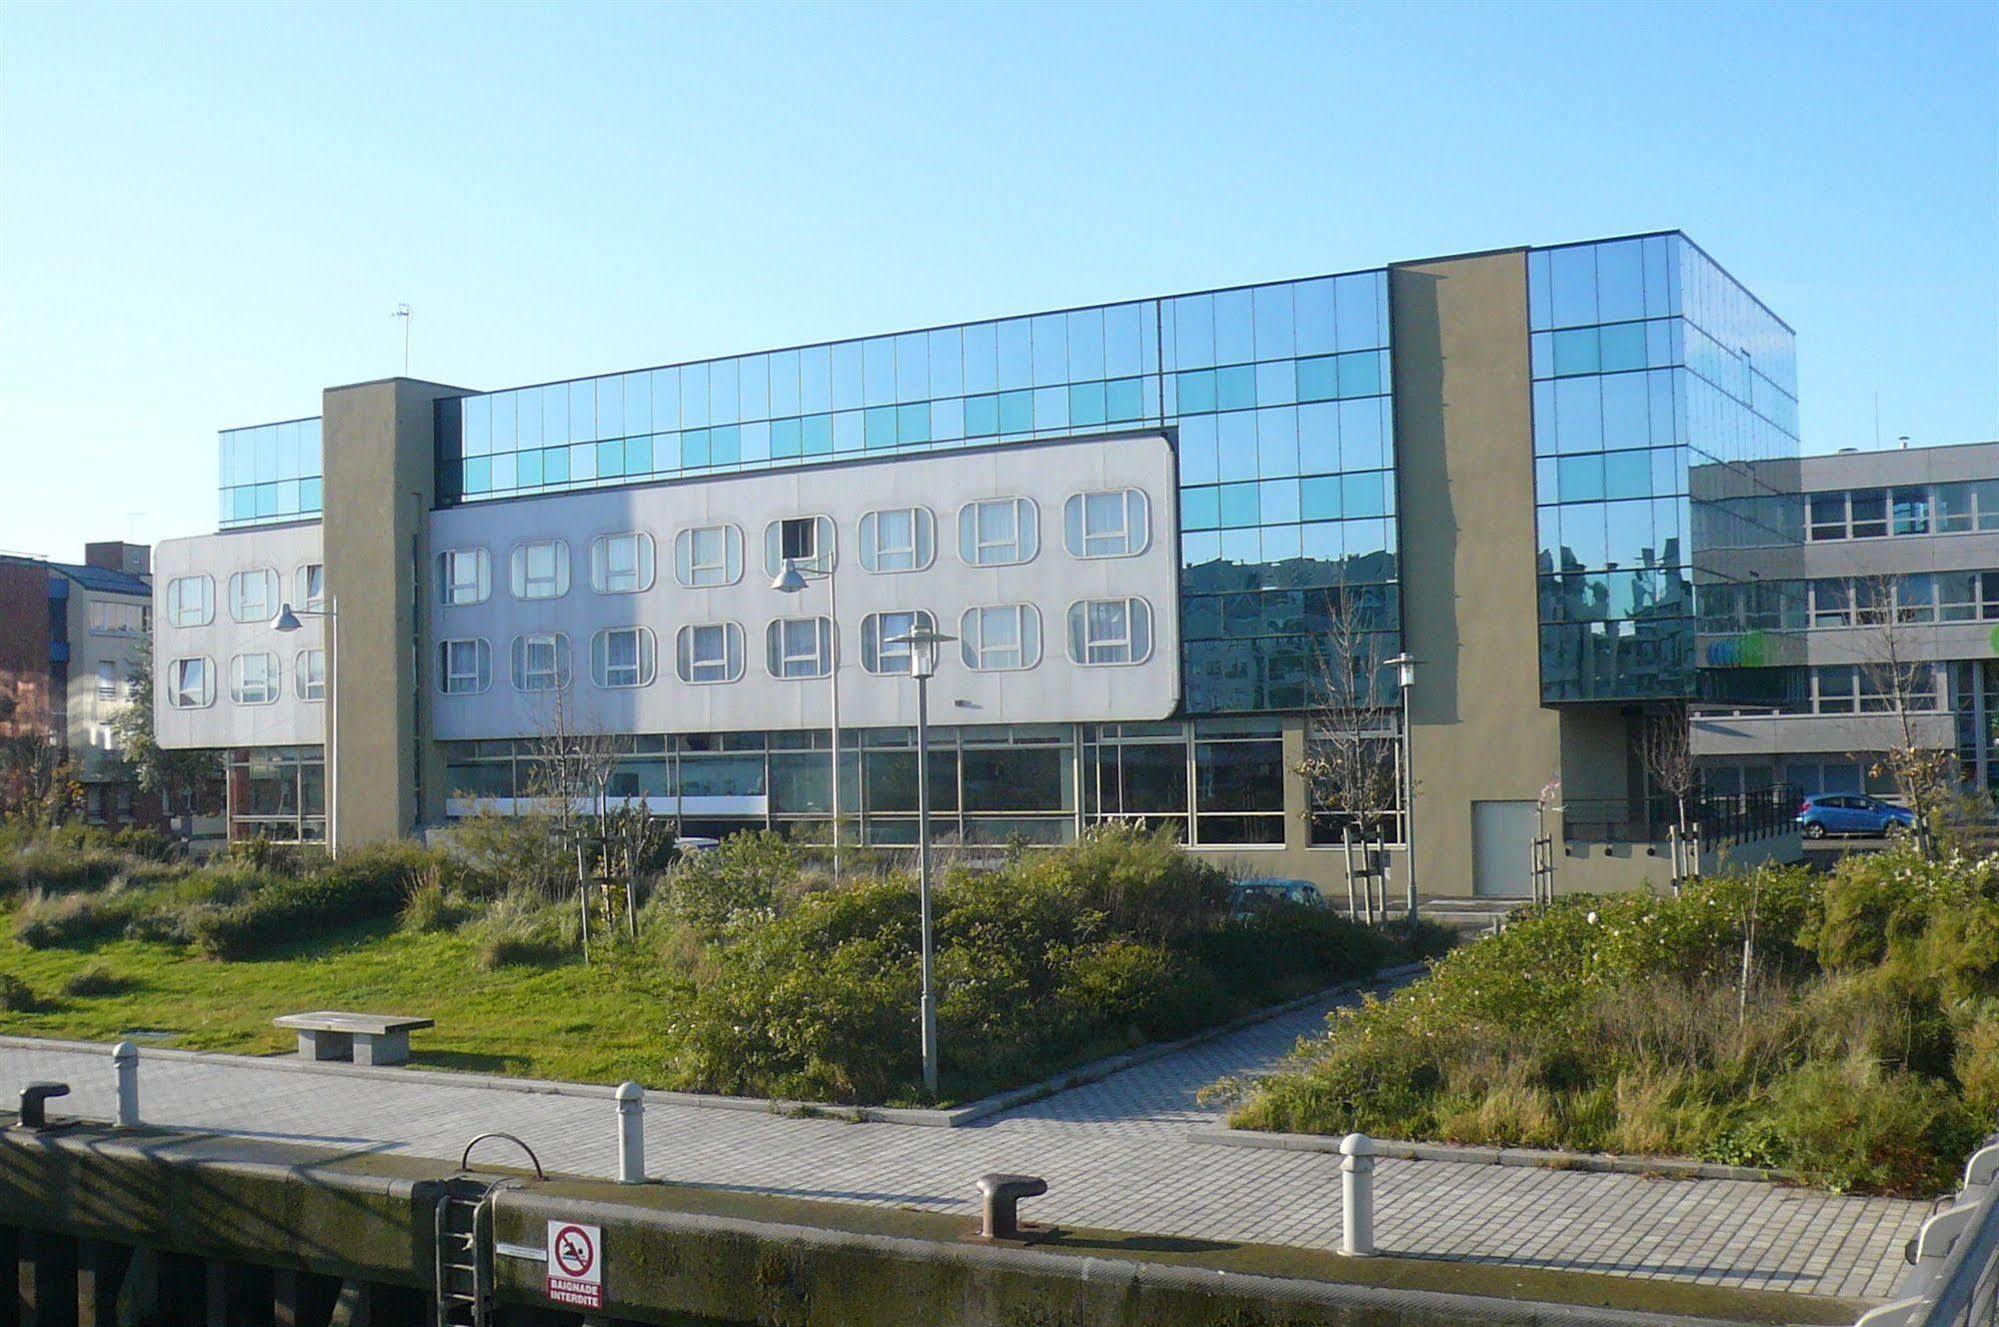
[[1135, 607], [686, 570], [778, 657], [734, 649], [645, 661], [972, 648], [303, 595], [825, 556], [176, 597], [921, 549], [521, 671], [447, 565], [518, 581], [482, 656], [274, 592], [876, 651], [308, 692], [1134, 530], [645, 562], [239, 693], [1026, 542], [176, 682]]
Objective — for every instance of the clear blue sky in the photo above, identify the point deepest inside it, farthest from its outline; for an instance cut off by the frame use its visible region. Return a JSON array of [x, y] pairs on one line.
[[208, 213]]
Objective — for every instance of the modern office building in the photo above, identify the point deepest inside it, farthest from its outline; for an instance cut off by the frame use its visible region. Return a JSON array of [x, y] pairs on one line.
[[1863, 590], [1138, 519], [71, 635]]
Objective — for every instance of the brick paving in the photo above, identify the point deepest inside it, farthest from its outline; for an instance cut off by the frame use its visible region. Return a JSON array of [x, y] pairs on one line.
[[1115, 1153]]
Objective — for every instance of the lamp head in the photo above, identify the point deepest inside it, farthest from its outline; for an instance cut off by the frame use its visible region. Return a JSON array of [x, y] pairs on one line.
[[790, 580], [286, 620], [923, 642], [1404, 665]]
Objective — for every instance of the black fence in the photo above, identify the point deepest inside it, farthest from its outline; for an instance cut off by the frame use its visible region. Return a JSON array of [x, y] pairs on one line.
[[1720, 819]]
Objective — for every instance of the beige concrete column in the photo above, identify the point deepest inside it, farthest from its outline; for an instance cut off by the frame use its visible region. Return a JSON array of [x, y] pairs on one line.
[[1465, 485], [380, 484]]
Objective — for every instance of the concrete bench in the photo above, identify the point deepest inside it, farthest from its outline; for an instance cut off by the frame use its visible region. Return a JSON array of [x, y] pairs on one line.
[[328, 1034]]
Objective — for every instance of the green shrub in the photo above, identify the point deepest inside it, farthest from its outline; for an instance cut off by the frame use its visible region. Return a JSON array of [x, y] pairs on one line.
[[45, 920], [284, 909], [738, 882], [522, 929], [95, 980], [1851, 1127], [16, 996], [1057, 957], [1862, 1050]]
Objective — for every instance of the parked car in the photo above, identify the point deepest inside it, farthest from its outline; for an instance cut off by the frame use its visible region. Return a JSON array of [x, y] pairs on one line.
[[1851, 813], [1249, 897]]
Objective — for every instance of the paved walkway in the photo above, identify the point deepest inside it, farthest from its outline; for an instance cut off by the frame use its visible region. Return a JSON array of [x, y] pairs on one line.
[[1115, 1153]]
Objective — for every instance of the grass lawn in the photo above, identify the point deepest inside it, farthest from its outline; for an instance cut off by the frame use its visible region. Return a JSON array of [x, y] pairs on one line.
[[599, 1024]]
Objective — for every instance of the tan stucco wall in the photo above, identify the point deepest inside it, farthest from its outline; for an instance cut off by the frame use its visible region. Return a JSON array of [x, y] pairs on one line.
[[380, 481], [1465, 484]]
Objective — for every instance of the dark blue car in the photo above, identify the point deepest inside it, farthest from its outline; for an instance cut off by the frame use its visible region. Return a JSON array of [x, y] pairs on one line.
[[1851, 813]]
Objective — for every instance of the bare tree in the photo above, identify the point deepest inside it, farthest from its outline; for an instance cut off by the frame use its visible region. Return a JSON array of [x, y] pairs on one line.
[[1349, 762], [571, 768], [1666, 750], [1903, 684]]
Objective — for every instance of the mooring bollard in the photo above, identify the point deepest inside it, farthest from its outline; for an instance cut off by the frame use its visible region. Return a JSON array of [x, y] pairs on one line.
[[631, 1134], [1357, 1195], [125, 1060]]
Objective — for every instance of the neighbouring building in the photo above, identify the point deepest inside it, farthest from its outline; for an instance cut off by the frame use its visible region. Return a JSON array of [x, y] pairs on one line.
[[1862, 591], [1136, 518], [70, 637]]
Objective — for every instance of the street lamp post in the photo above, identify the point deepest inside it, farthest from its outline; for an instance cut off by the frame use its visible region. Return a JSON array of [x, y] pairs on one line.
[[923, 642], [1404, 665], [792, 580], [287, 621]]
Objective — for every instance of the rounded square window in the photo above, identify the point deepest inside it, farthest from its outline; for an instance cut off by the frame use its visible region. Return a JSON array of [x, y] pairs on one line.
[[1111, 524], [709, 652]]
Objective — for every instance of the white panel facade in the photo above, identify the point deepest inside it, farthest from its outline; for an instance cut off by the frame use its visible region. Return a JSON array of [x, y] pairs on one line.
[[233, 714], [1054, 689]]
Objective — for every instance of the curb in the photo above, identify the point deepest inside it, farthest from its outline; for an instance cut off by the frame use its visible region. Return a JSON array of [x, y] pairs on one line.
[[917, 1117], [1677, 1168]]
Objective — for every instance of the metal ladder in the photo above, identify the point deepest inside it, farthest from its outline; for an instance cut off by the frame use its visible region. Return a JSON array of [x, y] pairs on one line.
[[465, 1254]]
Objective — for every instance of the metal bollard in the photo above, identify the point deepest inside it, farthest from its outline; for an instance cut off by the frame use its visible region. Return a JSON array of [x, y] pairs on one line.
[[1357, 1195], [125, 1060], [631, 1134]]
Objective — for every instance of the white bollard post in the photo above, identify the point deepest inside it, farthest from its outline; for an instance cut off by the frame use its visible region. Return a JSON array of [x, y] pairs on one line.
[[631, 1134], [1357, 1195], [125, 1061]]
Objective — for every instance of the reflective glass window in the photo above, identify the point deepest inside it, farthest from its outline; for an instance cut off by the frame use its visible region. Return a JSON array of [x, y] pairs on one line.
[[541, 662], [884, 647], [1002, 637], [253, 678], [464, 576], [707, 556], [897, 539], [540, 569], [1110, 631], [709, 652], [799, 647], [191, 683], [622, 657]]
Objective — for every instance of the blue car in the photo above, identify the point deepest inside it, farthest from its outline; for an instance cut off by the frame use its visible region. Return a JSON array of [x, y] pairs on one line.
[[1851, 813]]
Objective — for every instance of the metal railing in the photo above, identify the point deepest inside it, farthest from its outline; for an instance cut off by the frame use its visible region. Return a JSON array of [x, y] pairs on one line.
[[1954, 1277], [1717, 819]]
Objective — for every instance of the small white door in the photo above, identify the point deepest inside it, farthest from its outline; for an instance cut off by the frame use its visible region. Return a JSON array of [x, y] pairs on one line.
[[1502, 835]]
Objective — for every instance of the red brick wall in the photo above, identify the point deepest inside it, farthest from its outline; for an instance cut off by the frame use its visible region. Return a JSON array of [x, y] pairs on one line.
[[24, 646]]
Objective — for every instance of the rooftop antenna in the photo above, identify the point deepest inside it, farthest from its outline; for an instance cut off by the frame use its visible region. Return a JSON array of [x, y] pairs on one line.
[[1877, 419], [403, 312]]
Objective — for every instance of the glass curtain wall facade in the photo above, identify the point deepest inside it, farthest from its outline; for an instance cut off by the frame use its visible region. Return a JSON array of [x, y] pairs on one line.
[[270, 473], [1647, 360], [1217, 782], [1280, 394]]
